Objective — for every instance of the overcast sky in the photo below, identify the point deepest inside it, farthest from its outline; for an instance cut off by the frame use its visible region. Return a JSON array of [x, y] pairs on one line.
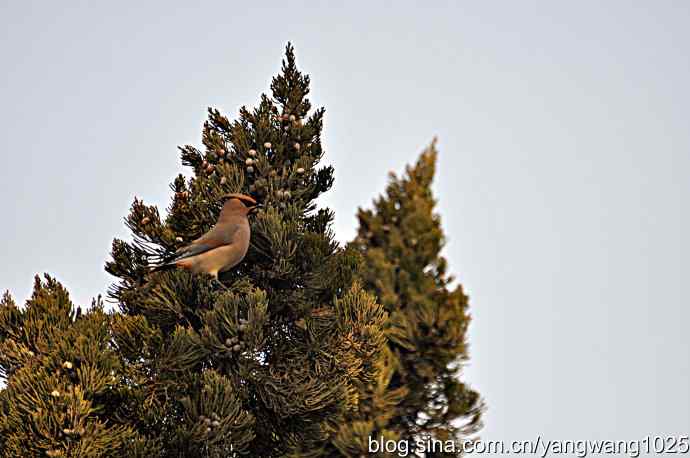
[[563, 182]]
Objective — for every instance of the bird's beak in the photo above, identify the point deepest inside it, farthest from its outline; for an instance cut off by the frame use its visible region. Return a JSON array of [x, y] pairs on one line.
[[254, 208]]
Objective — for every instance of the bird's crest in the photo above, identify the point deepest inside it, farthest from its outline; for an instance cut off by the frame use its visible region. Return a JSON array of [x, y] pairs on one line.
[[242, 197]]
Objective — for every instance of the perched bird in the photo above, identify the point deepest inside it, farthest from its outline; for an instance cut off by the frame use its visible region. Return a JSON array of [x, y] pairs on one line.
[[222, 247]]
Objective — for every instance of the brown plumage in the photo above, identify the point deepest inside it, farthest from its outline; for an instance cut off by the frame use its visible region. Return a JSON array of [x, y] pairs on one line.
[[222, 247]]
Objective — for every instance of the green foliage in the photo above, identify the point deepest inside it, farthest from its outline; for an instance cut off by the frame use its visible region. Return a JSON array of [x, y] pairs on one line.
[[270, 364], [305, 349], [66, 395], [419, 394]]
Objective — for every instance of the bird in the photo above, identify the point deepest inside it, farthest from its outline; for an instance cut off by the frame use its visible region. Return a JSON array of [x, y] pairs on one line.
[[221, 248]]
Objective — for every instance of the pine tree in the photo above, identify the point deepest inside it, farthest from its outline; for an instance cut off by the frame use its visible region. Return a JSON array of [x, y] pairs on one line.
[[66, 395], [420, 393], [272, 362], [305, 349]]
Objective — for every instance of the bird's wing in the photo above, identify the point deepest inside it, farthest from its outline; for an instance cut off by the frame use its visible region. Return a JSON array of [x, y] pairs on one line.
[[218, 236]]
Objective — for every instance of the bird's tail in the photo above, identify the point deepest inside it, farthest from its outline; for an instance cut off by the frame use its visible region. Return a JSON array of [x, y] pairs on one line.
[[161, 267]]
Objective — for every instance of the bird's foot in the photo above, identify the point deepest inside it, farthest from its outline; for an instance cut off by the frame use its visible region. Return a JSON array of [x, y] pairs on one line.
[[218, 283]]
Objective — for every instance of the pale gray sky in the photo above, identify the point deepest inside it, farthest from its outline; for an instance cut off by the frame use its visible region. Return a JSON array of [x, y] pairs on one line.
[[563, 182]]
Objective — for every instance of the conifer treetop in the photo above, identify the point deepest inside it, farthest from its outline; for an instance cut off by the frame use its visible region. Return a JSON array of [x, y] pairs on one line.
[[401, 240], [290, 333]]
